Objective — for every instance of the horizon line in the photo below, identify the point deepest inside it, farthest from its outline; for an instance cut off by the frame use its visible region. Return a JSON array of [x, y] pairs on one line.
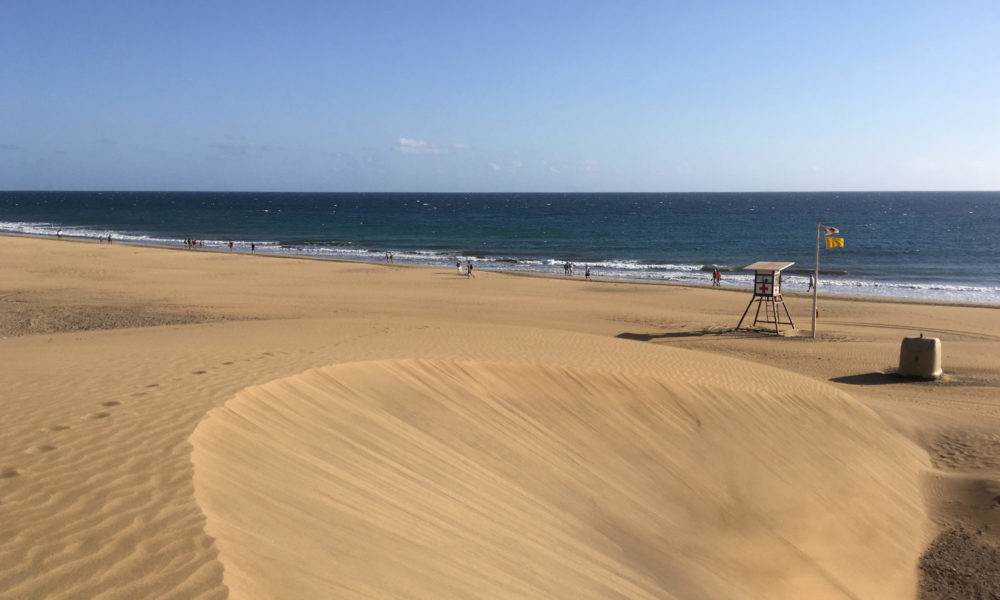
[[250, 191]]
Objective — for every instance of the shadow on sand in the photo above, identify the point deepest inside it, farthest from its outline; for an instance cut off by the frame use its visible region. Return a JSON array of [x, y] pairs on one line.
[[875, 379], [649, 337]]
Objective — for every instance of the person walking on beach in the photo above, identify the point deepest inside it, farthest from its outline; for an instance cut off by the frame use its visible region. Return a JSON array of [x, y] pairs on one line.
[[458, 265], [812, 282], [253, 248], [716, 278], [468, 269], [586, 273]]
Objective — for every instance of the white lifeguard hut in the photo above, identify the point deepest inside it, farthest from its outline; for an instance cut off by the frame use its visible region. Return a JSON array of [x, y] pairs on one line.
[[767, 292]]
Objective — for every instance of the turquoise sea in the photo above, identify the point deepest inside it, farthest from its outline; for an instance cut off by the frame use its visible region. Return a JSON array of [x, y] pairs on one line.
[[927, 245]]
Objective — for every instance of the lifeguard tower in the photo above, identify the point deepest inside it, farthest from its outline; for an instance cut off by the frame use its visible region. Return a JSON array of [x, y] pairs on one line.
[[767, 292]]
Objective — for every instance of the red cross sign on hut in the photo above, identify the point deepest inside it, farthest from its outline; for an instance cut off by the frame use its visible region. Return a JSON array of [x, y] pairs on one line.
[[767, 293]]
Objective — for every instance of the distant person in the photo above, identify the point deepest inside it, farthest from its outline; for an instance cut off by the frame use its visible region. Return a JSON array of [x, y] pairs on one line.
[[468, 269], [812, 282], [458, 265], [230, 245], [716, 278], [109, 238], [586, 273], [59, 234], [253, 248]]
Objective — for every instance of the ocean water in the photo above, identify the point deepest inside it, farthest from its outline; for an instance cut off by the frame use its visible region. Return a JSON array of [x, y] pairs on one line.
[[927, 245]]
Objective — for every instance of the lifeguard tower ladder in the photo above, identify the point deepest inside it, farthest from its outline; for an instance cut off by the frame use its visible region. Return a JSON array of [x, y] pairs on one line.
[[767, 292]]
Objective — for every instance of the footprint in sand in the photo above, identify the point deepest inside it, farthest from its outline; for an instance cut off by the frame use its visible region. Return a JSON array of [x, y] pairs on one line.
[[228, 362], [152, 385], [40, 449], [111, 403], [198, 372], [59, 427], [99, 415], [8, 473], [966, 451]]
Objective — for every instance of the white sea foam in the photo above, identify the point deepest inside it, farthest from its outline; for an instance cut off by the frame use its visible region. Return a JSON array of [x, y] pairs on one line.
[[626, 270]]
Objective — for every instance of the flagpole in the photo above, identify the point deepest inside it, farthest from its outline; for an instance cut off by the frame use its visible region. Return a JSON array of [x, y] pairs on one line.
[[819, 226]]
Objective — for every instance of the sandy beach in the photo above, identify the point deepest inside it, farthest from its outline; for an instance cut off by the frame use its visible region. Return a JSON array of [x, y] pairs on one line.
[[192, 424]]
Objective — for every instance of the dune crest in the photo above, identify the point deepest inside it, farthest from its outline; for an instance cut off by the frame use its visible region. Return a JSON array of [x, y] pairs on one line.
[[475, 479]]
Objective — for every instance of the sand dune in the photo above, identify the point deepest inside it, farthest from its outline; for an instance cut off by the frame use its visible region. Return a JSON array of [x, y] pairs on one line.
[[203, 425], [432, 479]]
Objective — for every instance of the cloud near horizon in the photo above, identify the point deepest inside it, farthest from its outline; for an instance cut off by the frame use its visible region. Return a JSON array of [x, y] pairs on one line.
[[411, 146]]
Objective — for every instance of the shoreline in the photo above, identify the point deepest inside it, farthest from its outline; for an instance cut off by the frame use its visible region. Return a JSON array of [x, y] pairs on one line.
[[794, 293], [140, 354]]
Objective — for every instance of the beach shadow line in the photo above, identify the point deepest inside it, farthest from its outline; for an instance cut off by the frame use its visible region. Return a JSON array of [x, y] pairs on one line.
[[648, 337], [873, 379]]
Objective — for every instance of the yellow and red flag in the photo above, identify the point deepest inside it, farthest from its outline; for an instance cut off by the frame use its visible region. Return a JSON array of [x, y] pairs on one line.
[[832, 242]]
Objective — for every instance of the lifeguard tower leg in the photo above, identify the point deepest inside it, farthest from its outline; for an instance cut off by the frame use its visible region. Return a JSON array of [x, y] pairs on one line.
[[745, 313], [788, 315]]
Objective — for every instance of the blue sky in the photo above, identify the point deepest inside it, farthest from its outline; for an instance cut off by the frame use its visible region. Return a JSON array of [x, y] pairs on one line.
[[499, 96]]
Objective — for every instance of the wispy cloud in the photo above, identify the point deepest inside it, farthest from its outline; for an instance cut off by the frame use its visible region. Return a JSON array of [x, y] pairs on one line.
[[461, 146], [411, 146], [495, 167]]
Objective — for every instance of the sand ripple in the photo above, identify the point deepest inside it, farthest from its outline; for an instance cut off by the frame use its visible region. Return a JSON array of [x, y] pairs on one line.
[[471, 479]]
